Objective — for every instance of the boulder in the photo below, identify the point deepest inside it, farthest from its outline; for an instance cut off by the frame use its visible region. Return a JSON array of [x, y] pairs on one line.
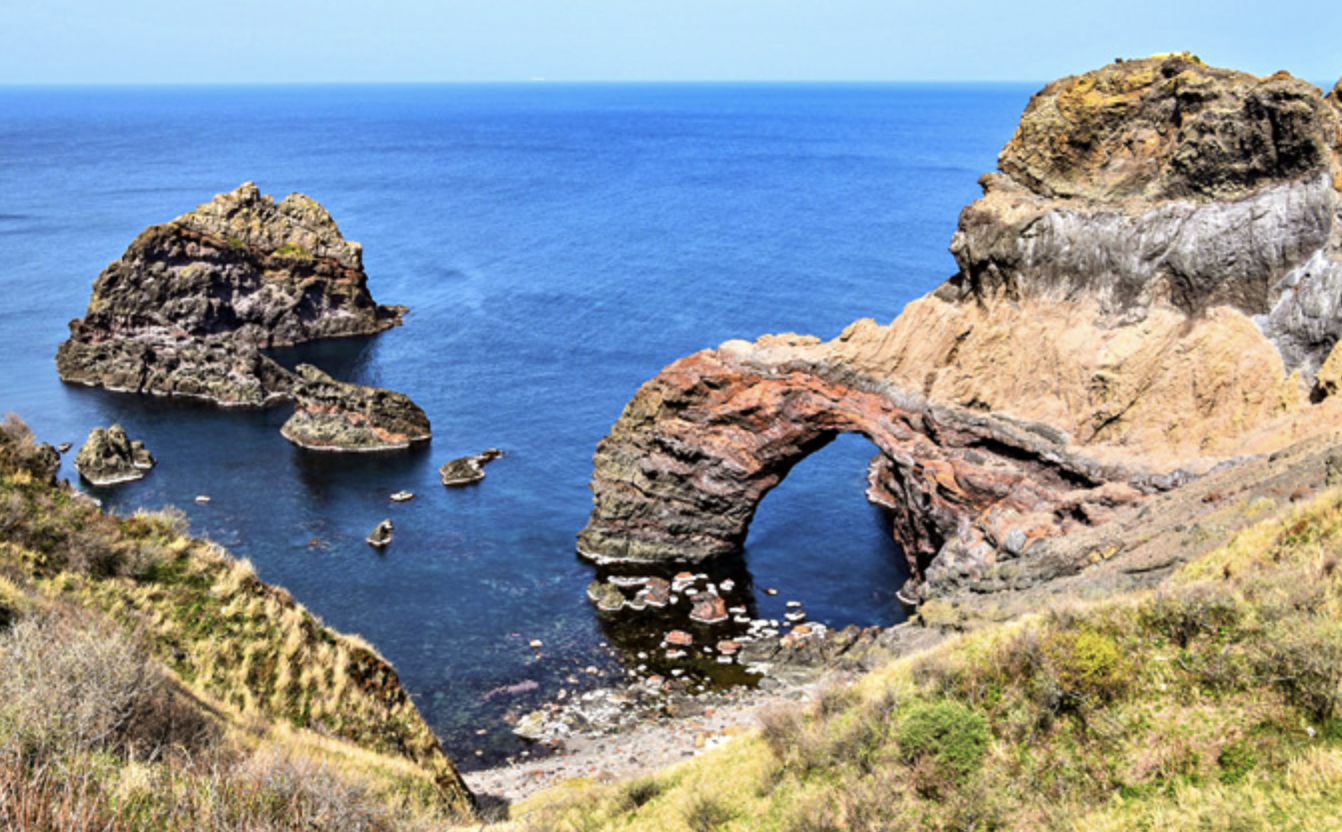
[[467, 469], [109, 457], [380, 536], [606, 596]]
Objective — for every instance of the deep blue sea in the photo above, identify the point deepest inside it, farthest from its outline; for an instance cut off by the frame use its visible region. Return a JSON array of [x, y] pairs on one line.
[[557, 246]]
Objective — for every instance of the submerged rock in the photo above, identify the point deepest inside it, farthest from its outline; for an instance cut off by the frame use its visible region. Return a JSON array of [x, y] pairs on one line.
[[109, 457], [467, 469], [332, 415], [381, 534]]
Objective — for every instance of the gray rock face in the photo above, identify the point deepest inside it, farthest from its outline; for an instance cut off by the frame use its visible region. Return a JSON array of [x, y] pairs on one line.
[[1192, 256], [109, 457], [184, 309], [332, 415], [1165, 181]]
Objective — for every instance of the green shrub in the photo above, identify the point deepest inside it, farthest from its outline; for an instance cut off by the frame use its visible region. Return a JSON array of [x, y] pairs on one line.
[[707, 813], [1236, 759], [1088, 665], [950, 736]]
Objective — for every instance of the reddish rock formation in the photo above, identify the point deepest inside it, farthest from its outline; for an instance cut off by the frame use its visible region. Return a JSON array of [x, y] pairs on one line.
[[682, 472], [708, 608], [1150, 286]]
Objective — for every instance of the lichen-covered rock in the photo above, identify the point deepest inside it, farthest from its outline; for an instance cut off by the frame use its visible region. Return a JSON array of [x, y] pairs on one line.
[[332, 415], [109, 457], [467, 469], [184, 309], [1170, 127]]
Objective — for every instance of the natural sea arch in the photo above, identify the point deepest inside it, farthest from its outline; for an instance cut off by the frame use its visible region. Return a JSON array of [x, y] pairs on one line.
[[682, 472]]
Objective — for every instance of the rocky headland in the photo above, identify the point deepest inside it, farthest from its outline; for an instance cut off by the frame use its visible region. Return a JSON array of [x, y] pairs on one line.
[[191, 305], [1148, 291]]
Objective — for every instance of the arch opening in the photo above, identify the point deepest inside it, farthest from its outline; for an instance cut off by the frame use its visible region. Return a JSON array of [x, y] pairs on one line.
[[816, 539]]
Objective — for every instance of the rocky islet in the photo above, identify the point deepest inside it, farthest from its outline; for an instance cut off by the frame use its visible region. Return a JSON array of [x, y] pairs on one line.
[[190, 306], [109, 457]]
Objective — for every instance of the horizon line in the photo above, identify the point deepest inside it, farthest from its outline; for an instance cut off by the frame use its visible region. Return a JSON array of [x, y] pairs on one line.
[[520, 82]]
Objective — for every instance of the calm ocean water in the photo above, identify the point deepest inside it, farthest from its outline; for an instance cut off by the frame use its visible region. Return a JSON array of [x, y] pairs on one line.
[[557, 245]]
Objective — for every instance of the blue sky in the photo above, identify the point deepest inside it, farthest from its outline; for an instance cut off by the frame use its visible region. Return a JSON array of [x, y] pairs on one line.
[[258, 41]]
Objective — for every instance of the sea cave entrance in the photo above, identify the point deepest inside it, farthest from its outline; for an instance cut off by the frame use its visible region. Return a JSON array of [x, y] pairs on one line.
[[816, 539]]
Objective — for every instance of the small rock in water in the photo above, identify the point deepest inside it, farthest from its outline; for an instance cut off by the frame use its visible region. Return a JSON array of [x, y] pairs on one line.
[[771, 591], [63, 447], [380, 536], [536, 644], [792, 604], [402, 496], [709, 609], [202, 498], [467, 469]]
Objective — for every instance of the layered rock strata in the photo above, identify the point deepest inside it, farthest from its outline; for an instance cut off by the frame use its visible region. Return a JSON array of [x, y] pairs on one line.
[[332, 415], [109, 457], [1149, 287]]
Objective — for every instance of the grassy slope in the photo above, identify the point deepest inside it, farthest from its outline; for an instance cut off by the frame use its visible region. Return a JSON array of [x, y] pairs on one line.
[[268, 676], [1213, 703]]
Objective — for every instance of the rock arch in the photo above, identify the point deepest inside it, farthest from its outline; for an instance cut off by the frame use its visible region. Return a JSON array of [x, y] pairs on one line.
[[681, 473]]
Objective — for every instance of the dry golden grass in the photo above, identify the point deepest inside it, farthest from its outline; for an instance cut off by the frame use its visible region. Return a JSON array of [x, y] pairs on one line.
[[1212, 703]]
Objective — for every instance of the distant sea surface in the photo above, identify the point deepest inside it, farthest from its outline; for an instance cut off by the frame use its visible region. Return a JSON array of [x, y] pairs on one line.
[[557, 246]]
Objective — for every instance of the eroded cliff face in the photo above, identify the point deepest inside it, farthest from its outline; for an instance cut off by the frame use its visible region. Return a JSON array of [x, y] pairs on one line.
[[1150, 286], [185, 309]]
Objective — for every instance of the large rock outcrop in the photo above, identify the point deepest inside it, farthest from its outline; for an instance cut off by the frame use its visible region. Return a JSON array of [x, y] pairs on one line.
[[190, 306], [185, 309], [1151, 286]]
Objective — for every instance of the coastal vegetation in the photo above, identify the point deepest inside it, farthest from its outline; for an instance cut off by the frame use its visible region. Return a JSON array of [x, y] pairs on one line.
[[148, 680], [1213, 702]]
